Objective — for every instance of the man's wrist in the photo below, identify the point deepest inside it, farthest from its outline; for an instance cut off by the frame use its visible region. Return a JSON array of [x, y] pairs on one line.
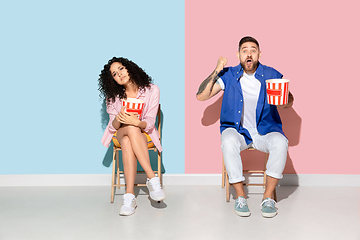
[[218, 69]]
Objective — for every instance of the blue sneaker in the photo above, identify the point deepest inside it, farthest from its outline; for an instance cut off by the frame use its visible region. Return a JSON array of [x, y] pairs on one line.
[[241, 207], [268, 208]]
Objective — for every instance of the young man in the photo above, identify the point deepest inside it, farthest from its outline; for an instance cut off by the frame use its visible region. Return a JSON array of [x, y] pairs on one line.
[[247, 120]]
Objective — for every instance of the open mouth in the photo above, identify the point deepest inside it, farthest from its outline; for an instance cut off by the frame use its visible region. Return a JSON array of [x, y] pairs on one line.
[[248, 61]]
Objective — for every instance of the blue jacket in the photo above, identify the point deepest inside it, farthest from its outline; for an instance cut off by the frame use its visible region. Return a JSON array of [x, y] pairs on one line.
[[267, 116]]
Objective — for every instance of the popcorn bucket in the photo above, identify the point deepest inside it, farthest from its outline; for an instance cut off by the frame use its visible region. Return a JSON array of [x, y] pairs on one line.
[[277, 91], [133, 105]]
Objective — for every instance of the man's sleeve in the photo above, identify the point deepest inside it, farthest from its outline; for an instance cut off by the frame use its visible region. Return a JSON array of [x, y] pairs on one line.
[[222, 85], [222, 80]]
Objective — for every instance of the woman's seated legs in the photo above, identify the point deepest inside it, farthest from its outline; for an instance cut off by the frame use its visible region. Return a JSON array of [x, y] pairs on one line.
[[129, 163], [135, 143]]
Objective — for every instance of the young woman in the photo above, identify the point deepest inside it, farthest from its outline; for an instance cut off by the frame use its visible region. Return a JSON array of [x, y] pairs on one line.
[[121, 79]]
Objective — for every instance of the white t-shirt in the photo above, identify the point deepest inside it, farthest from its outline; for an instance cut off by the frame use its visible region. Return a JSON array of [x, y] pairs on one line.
[[251, 89]]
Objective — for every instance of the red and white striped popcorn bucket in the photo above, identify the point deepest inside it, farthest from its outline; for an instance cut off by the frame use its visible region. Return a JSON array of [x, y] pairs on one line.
[[277, 91], [133, 105]]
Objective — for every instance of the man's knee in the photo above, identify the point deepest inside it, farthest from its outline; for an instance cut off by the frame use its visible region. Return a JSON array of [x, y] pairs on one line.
[[279, 142], [229, 139]]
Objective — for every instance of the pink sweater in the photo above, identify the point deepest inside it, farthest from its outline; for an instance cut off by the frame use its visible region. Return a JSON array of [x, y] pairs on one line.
[[151, 97]]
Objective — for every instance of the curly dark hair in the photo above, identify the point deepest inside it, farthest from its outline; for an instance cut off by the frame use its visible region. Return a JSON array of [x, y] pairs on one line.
[[110, 89]]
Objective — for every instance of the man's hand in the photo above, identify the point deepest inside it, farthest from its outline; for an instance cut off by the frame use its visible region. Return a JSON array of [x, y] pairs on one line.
[[208, 88], [222, 61], [290, 101]]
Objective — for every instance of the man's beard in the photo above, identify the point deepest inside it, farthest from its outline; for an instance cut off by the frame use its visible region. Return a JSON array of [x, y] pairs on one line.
[[252, 67]]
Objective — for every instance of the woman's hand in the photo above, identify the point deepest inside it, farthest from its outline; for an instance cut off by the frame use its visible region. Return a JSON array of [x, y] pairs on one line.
[[128, 118]]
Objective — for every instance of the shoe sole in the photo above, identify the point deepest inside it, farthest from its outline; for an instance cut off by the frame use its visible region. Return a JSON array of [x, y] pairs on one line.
[[128, 213], [243, 214], [157, 199], [269, 215]]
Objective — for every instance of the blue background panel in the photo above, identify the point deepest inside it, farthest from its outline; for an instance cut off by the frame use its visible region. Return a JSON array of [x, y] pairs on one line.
[[52, 52]]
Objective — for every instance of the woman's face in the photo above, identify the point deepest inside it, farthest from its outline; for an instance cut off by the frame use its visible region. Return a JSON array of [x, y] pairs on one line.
[[119, 73]]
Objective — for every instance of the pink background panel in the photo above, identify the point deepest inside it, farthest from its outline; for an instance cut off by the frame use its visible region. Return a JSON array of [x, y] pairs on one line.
[[315, 44]]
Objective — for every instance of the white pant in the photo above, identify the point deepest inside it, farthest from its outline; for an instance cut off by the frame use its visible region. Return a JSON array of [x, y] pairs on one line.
[[274, 143]]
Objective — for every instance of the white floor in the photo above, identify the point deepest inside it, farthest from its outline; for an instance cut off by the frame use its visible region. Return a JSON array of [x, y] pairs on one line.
[[189, 212]]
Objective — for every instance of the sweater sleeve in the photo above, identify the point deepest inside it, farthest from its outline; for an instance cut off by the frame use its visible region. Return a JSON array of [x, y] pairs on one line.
[[112, 113], [153, 105]]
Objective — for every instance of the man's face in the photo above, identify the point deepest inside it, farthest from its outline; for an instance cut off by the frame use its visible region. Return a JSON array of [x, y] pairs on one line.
[[249, 55]]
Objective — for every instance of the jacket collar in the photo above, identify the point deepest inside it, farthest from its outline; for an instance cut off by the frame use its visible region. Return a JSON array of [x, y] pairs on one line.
[[141, 93], [259, 73]]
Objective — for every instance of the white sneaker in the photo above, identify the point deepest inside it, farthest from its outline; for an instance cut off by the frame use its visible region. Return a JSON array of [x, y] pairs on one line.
[[154, 186], [129, 204]]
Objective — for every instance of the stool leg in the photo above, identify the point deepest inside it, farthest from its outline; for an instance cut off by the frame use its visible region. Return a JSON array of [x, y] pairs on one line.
[[266, 159], [227, 188], [274, 195], [118, 169], [159, 168], [113, 178], [223, 174]]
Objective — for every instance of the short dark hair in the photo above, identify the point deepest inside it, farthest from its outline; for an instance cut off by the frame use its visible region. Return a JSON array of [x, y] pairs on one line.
[[248, 39]]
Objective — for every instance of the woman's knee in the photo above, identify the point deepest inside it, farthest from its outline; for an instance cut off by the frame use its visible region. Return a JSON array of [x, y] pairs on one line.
[[133, 131], [125, 143]]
